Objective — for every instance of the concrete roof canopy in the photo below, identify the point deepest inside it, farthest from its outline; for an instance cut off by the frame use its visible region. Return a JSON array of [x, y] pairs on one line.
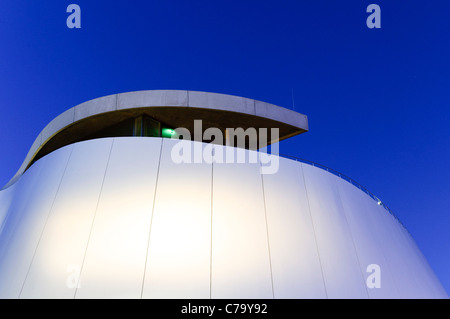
[[175, 108]]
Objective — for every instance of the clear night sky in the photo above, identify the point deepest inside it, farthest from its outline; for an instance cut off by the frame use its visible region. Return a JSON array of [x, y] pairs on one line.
[[377, 100]]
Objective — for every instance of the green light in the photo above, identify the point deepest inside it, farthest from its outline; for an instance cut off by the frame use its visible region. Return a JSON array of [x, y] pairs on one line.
[[167, 132]]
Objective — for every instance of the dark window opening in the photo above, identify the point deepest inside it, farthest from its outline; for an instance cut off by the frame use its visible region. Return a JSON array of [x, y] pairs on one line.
[[142, 125], [146, 126]]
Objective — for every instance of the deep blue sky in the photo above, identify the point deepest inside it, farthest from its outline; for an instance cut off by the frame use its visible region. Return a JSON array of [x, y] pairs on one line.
[[377, 100]]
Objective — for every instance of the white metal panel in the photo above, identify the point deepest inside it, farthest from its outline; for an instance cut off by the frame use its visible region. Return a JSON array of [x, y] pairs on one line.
[[376, 217], [178, 263], [293, 249], [209, 234], [410, 263], [435, 288], [115, 258], [429, 278], [32, 217], [396, 254], [16, 249], [414, 272], [422, 280], [240, 252], [423, 276], [56, 266], [360, 210], [6, 197], [340, 265]]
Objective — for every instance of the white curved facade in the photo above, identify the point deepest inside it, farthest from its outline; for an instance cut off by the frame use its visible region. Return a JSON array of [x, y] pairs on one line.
[[117, 218]]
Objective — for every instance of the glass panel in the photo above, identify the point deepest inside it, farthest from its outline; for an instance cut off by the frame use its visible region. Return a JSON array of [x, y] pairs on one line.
[[151, 127], [137, 127]]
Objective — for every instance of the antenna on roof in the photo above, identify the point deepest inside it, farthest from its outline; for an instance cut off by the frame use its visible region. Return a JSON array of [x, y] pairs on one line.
[[293, 103]]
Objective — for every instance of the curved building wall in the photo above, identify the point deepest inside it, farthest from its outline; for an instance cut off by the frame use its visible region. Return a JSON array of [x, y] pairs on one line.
[[116, 217]]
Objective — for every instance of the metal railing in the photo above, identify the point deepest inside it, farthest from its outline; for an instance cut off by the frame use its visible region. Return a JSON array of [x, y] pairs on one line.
[[348, 179]]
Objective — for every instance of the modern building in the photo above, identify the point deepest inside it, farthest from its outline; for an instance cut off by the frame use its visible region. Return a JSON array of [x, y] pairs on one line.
[[102, 207]]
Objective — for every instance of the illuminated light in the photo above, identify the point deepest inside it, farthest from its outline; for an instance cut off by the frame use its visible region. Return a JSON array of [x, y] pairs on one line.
[[167, 132]]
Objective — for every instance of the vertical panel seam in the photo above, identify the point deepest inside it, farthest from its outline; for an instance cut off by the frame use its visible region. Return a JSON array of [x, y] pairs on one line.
[[387, 225], [93, 219], [211, 225], [351, 235], [314, 232], [374, 232], [381, 248], [46, 221], [10, 211], [151, 217], [267, 232], [7, 210]]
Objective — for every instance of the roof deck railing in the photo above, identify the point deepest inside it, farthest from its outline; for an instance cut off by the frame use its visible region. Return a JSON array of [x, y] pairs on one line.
[[348, 179]]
